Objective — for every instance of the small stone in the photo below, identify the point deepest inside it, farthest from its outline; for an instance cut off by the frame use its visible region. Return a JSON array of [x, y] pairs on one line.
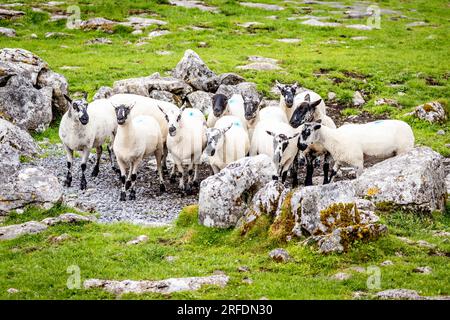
[[139, 239], [171, 258], [289, 40], [386, 263], [358, 269], [202, 44], [358, 99], [359, 27], [60, 238], [33, 36], [280, 255], [423, 270], [340, 276], [417, 24], [137, 32], [158, 33], [243, 269], [12, 290], [441, 233], [7, 32], [331, 96], [440, 132], [359, 38], [20, 211], [247, 280], [99, 41], [163, 53], [399, 294], [249, 24], [57, 35]]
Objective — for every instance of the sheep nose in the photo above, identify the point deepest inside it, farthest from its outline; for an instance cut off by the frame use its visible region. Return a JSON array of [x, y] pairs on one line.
[[172, 129], [213, 151], [302, 146]]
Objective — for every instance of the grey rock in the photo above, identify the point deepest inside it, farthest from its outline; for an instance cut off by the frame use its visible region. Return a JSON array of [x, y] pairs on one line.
[[60, 87], [387, 101], [386, 263], [7, 32], [331, 96], [440, 132], [67, 218], [58, 239], [221, 202], [259, 66], [246, 89], [264, 6], [417, 24], [57, 35], [30, 186], [414, 180], [341, 276], [103, 92], [12, 290], [99, 41], [144, 85], [17, 139], [201, 100], [158, 286], [423, 270], [139, 23], [249, 24], [280, 255], [317, 23], [230, 79], [97, 24], [9, 161], [431, 112], [194, 4], [289, 40], [359, 27], [195, 72], [10, 14], [399, 294], [165, 96], [358, 99], [140, 239], [17, 230], [158, 33]]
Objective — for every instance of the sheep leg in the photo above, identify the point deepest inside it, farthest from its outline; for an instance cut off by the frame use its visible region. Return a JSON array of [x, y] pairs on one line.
[[133, 177], [189, 182], [123, 172], [326, 168], [309, 170], [112, 159], [181, 170], [84, 158], [96, 169], [69, 156], [195, 180], [334, 171], [294, 172], [164, 158], [159, 157]]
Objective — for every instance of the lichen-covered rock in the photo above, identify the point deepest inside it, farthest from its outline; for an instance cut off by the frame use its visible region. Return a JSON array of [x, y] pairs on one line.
[[144, 85], [399, 294], [103, 92], [7, 32], [67, 218], [230, 79], [17, 138], [201, 100], [165, 96], [159, 286], [195, 72], [413, 180], [30, 186], [222, 197], [17, 230], [29, 89], [431, 111], [9, 161], [279, 255], [246, 89], [97, 24]]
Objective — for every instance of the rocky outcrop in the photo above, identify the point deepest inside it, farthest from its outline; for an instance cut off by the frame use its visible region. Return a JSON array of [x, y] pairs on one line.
[[158, 286], [34, 186], [431, 112], [103, 92], [246, 89], [165, 96], [223, 196], [201, 100], [29, 90], [196, 73], [414, 180]]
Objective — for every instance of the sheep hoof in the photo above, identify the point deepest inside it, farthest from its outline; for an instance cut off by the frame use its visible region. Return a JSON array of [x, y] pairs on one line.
[[95, 172], [274, 177], [68, 182], [123, 196], [188, 190], [132, 195], [83, 185], [127, 185], [172, 179], [162, 187], [195, 184]]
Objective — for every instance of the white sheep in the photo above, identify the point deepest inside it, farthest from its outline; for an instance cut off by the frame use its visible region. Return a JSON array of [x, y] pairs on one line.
[[186, 141], [145, 106], [278, 140], [227, 142], [222, 106], [272, 113], [349, 143], [287, 95], [85, 126], [136, 139]]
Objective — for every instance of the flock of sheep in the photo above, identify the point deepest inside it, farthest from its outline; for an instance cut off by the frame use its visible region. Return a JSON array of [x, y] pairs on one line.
[[297, 132]]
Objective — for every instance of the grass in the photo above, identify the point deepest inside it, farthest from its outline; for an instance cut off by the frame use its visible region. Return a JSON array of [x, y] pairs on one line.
[[38, 267], [394, 54]]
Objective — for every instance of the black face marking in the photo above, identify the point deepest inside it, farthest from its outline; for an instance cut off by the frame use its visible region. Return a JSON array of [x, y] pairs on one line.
[[219, 104], [122, 112], [284, 145], [83, 167], [302, 114], [250, 108], [288, 92], [80, 107], [122, 179]]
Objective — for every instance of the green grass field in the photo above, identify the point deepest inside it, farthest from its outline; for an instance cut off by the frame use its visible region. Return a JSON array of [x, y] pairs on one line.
[[393, 59]]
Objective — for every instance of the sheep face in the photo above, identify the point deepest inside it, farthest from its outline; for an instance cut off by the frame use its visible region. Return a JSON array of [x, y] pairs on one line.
[[251, 108], [219, 102], [214, 139], [304, 112], [288, 93], [173, 119], [309, 134], [122, 112], [79, 108], [280, 144]]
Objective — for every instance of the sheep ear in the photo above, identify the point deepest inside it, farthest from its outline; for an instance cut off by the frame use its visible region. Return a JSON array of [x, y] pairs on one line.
[[295, 86], [317, 126], [85, 95], [165, 114], [68, 98], [315, 103], [270, 133], [279, 85], [131, 106], [228, 128], [307, 98], [294, 136]]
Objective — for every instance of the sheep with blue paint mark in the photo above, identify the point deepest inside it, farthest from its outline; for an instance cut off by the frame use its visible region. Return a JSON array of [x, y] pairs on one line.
[[227, 142]]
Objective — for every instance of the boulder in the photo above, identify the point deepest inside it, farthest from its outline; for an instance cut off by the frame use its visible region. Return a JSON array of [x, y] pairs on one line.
[[246, 89], [230, 79], [139, 23], [414, 180], [97, 24], [195, 72], [431, 112], [17, 230], [10, 14], [144, 85], [358, 99], [30, 186], [7, 32], [201, 100], [222, 197], [194, 4], [280, 255], [165, 96], [29, 89], [17, 139], [103, 93]]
